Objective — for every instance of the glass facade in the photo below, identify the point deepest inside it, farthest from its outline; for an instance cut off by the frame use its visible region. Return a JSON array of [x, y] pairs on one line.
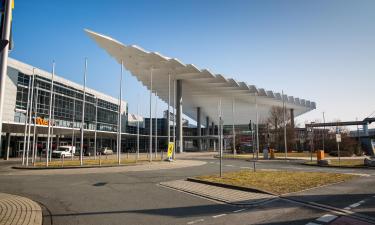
[[67, 105]]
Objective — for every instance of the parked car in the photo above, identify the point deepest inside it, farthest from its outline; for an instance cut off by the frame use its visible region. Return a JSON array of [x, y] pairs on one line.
[[106, 151], [66, 151]]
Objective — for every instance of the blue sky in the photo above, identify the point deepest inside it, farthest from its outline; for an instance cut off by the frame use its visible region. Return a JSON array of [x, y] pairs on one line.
[[322, 50]]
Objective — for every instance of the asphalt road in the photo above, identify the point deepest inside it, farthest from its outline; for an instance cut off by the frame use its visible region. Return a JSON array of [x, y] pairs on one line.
[[136, 197]]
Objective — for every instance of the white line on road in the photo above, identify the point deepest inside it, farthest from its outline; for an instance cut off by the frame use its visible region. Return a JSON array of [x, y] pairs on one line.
[[360, 174], [246, 167], [326, 218], [311, 223], [229, 165], [355, 205], [220, 215], [240, 210], [347, 208], [195, 221]]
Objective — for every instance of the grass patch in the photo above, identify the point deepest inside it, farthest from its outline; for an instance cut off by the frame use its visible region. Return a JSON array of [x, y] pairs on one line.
[[278, 182], [343, 163], [91, 162]]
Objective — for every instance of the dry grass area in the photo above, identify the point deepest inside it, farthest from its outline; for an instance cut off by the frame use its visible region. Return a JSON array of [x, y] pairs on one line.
[[343, 163], [278, 182], [92, 162]]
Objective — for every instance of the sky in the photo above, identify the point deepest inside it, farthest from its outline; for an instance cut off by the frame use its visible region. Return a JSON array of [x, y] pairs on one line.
[[321, 50]]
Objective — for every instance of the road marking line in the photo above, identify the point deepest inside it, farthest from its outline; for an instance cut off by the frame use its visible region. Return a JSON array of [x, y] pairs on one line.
[[347, 208], [229, 165], [240, 210], [195, 221], [360, 174], [220, 215], [326, 218], [311, 223], [361, 202], [354, 205], [246, 167]]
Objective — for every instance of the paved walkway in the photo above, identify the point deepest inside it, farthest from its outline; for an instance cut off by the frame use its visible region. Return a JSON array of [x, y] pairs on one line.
[[17, 210], [226, 195]]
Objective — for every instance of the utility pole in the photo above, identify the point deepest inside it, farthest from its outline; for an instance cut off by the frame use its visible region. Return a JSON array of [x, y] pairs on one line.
[[284, 121], [324, 129]]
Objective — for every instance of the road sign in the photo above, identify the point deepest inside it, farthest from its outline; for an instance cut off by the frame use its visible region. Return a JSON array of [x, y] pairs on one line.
[[170, 149], [338, 138]]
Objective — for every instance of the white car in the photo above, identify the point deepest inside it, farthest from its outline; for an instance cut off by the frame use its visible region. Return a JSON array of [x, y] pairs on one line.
[[106, 151], [66, 151]]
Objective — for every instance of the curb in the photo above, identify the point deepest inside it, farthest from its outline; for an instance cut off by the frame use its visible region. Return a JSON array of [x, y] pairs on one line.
[[261, 160], [230, 186], [341, 167], [75, 167]]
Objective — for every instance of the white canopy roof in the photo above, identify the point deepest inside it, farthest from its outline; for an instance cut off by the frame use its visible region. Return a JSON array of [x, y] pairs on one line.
[[200, 87]]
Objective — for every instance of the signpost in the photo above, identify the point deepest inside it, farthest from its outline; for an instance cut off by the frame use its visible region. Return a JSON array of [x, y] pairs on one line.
[[338, 140]]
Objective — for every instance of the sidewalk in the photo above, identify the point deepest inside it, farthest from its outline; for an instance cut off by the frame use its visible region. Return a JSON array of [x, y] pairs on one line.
[[227, 195], [17, 210]]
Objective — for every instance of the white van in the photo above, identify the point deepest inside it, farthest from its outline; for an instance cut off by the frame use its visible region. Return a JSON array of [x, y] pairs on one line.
[[66, 151]]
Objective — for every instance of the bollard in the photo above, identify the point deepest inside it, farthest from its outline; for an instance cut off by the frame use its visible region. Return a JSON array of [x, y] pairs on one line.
[[272, 152], [320, 155]]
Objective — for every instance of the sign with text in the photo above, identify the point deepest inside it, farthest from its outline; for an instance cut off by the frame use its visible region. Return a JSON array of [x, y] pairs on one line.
[[338, 137], [41, 121]]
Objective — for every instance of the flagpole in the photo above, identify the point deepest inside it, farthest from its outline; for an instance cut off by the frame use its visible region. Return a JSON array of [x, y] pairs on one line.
[[83, 113], [4, 56], [30, 116], [150, 138], [137, 156], [119, 130], [52, 126], [169, 104], [174, 118], [73, 127], [27, 116], [284, 122], [257, 121], [50, 112], [156, 125], [35, 139]]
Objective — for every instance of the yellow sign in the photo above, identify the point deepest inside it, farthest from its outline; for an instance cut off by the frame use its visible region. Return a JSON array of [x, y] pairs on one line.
[[170, 149], [41, 121]]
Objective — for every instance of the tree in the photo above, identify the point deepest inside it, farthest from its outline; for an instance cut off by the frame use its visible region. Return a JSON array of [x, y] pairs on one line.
[[275, 124]]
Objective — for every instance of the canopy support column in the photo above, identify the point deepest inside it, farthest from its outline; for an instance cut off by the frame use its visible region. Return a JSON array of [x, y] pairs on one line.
[[199, 131], [207, 132]]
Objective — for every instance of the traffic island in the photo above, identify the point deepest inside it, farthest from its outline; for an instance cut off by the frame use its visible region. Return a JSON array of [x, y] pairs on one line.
[[275, 182], [87, 163]]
